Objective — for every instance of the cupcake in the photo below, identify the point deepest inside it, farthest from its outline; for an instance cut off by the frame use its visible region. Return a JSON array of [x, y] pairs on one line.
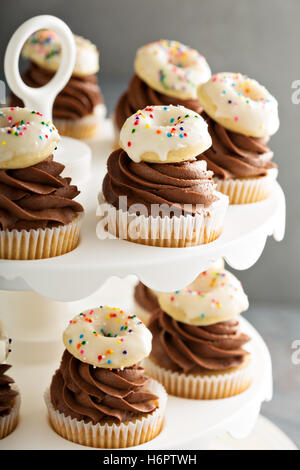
[[166, 72], [9, 395], [145, 302], [79, 108], [241, 116], [198, 347], [100, 397], [38, 215], [155, 191]]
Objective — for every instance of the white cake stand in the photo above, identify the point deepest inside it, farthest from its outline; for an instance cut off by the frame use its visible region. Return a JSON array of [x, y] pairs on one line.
[[80, 273]]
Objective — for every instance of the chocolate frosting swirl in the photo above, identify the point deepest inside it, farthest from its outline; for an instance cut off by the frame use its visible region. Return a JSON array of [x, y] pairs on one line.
[[234, 155], [146, 298], [37, 197], [76, 100], [174, 184], [7, 394], [139, 95], [93, 394], [191, 349]]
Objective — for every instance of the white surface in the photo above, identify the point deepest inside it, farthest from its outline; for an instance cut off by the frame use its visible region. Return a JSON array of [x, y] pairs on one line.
[[77, 158], [81, 272], [186, 420]]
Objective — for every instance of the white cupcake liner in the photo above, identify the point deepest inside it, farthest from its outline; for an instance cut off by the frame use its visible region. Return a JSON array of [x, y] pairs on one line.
[[247, 190], [202, 387], [83, 128], [9, 422], [110, 435], [40, 243], [183, 231]]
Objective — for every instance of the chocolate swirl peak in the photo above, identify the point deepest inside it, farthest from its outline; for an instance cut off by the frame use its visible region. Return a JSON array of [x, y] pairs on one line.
[[76, 100], [7, 394], [180, 347], [89, 393], [139, 95], [172, 184], [234, 155], [37, 197]]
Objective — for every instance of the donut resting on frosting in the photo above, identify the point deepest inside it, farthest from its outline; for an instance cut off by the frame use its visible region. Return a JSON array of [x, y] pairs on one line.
[[93, 394]]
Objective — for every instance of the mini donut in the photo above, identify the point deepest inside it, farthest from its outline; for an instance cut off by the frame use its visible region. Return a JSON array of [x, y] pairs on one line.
[[4, 345], [215, 296], [107, 337], [44, 48], [172, 68], [164, 134], [240, 104], [25, 138]]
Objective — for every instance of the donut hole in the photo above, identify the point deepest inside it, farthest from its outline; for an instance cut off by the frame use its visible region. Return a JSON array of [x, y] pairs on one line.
[[251, 90]]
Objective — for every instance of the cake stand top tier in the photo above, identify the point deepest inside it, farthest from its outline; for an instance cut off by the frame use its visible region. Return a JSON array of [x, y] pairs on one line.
[[81, 272]]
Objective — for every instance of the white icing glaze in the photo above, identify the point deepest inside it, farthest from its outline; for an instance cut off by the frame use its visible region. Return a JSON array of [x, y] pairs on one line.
[[108, 338], [247, 104], [44, 48], [25, 138], [162, 129], [216, 295], [172, 68], [4, 345]]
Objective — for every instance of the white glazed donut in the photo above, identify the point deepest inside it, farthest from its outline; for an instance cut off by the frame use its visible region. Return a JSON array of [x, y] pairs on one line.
[[108, 338], [240, 104], [172, 68], [25, 138], [216, 295], [44, 48], [164, 134], [4, 345]]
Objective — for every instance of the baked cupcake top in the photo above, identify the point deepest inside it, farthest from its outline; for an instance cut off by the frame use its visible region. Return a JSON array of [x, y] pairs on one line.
[[44, 49], [33, 192], [216, 295], [99, 376]]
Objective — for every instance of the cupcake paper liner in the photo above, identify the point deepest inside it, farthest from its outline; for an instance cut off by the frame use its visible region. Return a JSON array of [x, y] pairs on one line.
[[40, 243], [174, 232], [248, 190], [9, 422], [202, 387], [110, 436]]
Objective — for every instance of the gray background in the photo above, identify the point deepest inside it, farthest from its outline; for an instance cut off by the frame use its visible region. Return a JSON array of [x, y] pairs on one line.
[[257, 37]]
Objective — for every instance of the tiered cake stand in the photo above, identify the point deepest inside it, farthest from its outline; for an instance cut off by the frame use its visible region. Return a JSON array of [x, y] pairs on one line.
[[39, 297]]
